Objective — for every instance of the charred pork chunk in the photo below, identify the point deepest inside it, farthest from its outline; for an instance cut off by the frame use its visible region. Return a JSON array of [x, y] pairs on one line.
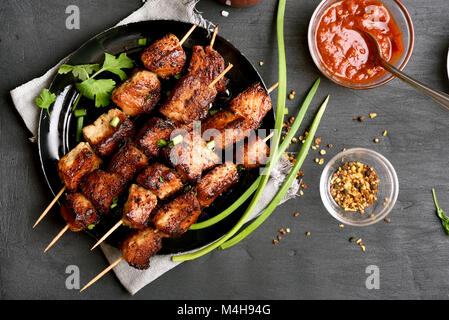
[[191, 157], [79, 162], [101, 188], [79, 212], [225, 128], [128, 162], [252, 104], [149, 135], [175, 217], [253, 153], [161, 180], [138, 207], [165, 57], [189, 101], [207, 64], [215, 182], [108, 132], [138, 94], [140, 247]]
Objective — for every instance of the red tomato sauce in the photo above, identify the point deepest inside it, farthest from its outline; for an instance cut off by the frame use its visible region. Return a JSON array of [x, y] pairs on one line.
[[343, 49]]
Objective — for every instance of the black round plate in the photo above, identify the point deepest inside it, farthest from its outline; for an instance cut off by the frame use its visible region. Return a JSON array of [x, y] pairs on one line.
[[57, 132]]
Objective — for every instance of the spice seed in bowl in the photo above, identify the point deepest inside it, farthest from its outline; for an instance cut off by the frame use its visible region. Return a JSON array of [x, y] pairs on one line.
[[354, 186]]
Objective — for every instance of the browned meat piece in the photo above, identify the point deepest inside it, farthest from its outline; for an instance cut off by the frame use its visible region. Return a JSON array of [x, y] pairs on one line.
[[161, 180], [127, 162], [79, 162], [105, 138], [191, 156], [79, 212], [215, 182], [252, 104], [207, 64], [138, 207], [225, 128], [138, 94], [175, 217], [140, 247], [101, 188], [253, 153], [154, 130], [165, 57], [189, 101]]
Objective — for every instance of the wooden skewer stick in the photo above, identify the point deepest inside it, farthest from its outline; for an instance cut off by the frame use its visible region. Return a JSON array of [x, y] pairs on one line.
[[187, 34], [212, 41], [57, 237], [49, 207], [118, 224], [268, 137], [91, 282], [274, 86], [221, 75]]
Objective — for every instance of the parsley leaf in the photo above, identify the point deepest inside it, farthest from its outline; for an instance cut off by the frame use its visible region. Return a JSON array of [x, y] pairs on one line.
[[115, 65], [98, 90], [45, 100], [81, 71]]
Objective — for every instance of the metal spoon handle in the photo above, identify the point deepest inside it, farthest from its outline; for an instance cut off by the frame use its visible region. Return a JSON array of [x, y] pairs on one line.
[[438, 96]]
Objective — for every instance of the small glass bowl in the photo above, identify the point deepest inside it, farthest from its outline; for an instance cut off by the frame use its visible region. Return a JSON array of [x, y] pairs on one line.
[[404, 22], [386, 195]]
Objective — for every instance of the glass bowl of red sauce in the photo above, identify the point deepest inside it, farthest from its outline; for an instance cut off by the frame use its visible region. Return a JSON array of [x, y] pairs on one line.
[[339, 49]]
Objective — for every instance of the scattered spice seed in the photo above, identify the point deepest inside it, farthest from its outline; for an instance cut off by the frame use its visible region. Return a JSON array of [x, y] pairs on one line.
[[294, 140], [341, 225], [317, 160], [261, 63], [359, 241], [321, 161], [371, 215], [301, 193], [387, 220], [363, 247], [308, 233], [372, 115], [291, 96], [281, 230], [275, 241], [323, 152], [296, 214], [361, 118], [330, 145], [288, 230], [279, 237], [384, 133], [318, 141], [352, 239], [376, 140]]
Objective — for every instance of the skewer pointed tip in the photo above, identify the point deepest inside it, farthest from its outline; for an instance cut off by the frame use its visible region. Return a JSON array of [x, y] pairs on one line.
[[49, 207], [55, 239], [118, 224], [102, 273]]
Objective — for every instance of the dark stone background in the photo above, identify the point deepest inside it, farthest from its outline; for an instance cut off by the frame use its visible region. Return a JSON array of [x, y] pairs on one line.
[[412, 251]]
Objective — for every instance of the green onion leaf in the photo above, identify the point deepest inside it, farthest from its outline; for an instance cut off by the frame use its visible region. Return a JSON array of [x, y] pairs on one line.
[[214, 111], [443, 217], [161, 143], [90, 227], [161, 179], [178, 139], [177, 76], [80, 113], [114, 203], [115, 121], [142, 41], [79, 128]]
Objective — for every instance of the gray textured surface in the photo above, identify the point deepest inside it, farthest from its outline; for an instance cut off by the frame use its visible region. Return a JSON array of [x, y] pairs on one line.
[[412, 251]]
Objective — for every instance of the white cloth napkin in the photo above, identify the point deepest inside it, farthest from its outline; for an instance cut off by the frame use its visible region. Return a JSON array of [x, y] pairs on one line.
[[24, 100]]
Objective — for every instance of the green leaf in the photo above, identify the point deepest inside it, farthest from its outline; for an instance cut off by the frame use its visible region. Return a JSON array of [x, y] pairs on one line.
[[115, 65], [45, 100], [82, 71], [98, 90], [443, 217]]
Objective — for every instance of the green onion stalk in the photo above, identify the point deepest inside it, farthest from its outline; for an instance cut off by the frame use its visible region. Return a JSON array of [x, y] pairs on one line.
[[285, 186], [291, 133], [282, 91]]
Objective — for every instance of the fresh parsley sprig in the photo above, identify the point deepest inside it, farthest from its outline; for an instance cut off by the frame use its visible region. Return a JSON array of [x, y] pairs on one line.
[[98, 90], [443, 217], [45, 100]]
